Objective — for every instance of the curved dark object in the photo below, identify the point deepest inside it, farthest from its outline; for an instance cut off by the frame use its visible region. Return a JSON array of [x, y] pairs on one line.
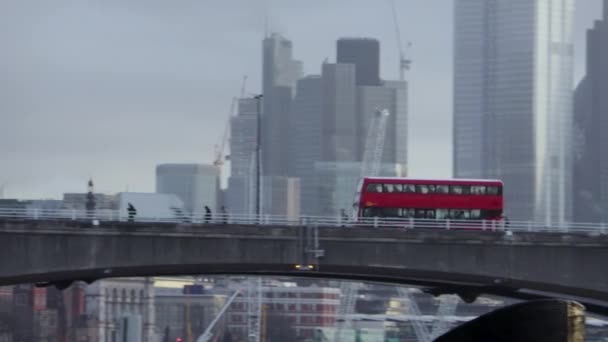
[[534, 321]]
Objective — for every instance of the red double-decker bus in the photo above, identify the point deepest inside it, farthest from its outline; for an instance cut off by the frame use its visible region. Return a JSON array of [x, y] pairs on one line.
[[430, 199]]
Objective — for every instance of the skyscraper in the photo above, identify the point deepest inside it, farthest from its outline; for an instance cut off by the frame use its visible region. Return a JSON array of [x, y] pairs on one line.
[[197, 185], [330, 117], [513, 66], [339, 119], [280, 73], [305, 139], [243, 140], [364, 53], [591, 124]]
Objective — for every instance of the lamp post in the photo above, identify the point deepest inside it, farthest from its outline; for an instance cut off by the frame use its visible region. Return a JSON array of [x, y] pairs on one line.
[[258, 156]]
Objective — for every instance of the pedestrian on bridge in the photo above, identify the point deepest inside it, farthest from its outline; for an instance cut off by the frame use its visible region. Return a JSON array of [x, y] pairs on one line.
[[131, 212], [207, 214]]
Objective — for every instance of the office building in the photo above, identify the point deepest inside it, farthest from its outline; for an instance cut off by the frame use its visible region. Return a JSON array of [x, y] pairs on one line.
[[197, 185], [280, 73], [331, 115], [243, 142], [298, 311], [305, 143], [513, 70], [339, 121], [364, 53], [109, 301], [281, 196], [590, 182]]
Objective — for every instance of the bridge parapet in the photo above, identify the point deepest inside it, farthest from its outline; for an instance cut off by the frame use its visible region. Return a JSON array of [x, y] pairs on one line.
[[54, 250]]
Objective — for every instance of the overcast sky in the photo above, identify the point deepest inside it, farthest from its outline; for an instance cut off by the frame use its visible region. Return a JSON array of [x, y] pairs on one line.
[[110, 88]]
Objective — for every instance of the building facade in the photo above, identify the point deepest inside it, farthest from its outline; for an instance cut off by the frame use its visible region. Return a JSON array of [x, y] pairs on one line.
[[281, 196], [109, 302], [305, 139], [243, 142], [301, 310], [364, 53], [280, 73], [197, 185], [331, 115], [513, 70], [591, 124]]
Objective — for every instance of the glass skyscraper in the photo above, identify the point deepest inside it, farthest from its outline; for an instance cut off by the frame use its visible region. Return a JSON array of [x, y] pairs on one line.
[[513, 78]]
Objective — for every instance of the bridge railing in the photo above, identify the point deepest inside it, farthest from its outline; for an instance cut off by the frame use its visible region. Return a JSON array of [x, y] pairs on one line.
[[107, 215]]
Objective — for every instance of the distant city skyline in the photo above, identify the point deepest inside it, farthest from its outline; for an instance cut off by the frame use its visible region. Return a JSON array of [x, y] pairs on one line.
[[86, 100]]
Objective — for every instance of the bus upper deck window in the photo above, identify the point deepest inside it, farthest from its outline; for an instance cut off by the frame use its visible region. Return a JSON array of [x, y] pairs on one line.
[[441, 189], [478, 190], [389, 188], [409, 188], [398, 187], [493, 190], [423, 189], [374, 187], [456, 189]]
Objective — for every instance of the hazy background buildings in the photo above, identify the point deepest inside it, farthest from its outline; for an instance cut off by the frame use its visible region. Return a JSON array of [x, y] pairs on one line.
[[590, 194], [143, 75], [530, 149], [513, 79]]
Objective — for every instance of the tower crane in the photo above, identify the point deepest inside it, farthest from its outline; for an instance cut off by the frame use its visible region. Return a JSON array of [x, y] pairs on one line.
[[404, 61], [219, 149], [370, 166]]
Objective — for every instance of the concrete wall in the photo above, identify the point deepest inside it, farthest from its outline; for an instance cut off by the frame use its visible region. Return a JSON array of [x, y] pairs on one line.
[[566, 263]]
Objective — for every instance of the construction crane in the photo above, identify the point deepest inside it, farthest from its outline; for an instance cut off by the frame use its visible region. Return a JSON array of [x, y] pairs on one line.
[[207, 334], [219, 154], [219, 149], [374, 146], [421, 330], [447, 307], [404, 61], [370, 167], [254, 308]]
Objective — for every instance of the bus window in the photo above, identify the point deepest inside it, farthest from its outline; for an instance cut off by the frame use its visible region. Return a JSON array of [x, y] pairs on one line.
[[459, 214], [430, 214], [492, 214], [409, 213], [441, 214], [420, 213], [390, 212], [398, 187], [493, 190], [476, 214], [456, 189], [389, 188], [478, 189], [374, 188], [370, 212], [422, 189], [441, 189], [432, 189], [409, 188]]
